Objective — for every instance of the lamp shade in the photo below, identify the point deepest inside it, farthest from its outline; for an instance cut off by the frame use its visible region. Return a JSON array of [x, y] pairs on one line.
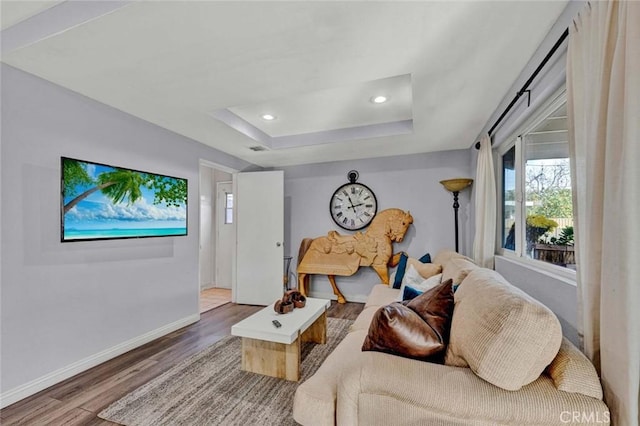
[[456, 185]]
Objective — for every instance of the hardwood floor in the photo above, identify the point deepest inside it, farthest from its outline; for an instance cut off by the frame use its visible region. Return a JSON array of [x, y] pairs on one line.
[[78, 400], [213, 297]]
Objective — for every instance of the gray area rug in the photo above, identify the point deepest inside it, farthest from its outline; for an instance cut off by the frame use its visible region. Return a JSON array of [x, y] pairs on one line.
[[209, 388]]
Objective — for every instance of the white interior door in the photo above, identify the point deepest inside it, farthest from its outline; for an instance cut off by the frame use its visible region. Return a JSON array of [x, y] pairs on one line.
[[259, 198], [225, 234]]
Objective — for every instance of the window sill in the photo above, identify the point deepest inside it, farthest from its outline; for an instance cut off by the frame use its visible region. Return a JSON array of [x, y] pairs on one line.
[[557, 272]]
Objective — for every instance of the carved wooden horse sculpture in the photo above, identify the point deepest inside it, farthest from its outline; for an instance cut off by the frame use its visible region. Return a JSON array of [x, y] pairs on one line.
[[342, 255]]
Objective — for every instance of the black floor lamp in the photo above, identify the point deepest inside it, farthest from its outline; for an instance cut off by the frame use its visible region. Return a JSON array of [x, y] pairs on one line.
[[455, 186]]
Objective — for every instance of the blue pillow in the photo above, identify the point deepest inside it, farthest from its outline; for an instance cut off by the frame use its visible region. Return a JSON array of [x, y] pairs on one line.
[[402, 265], [410, 293]]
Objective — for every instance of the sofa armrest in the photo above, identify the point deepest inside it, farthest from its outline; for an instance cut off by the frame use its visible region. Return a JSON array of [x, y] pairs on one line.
[[382, 294], [314, 402]]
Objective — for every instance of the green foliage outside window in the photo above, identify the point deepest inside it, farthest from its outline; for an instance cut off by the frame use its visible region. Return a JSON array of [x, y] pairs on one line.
[[551, 202]]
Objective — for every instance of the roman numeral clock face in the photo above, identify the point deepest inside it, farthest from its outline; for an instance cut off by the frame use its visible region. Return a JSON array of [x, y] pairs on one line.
[[353, 206]]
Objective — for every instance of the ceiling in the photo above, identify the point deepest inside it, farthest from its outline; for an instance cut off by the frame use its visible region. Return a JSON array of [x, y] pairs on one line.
[[335, 108], [17, 11], [210, 70]]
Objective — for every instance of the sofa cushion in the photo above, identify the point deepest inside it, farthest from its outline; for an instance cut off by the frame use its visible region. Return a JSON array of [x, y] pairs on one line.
[[403, 265], [364, 319], [426, 270], [435, 306], [571, 371], [457, 270], [417, 273], [504, 335], [417, 329], [400, 270], [396, 329], [387, 390], [445, 256], [412, 291], [411, 278]]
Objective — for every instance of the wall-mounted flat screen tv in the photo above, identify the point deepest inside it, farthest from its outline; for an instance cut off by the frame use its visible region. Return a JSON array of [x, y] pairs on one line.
[[104, 202]]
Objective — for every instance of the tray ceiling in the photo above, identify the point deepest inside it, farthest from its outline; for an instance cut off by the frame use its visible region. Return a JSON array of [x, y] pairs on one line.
[[314, 65]]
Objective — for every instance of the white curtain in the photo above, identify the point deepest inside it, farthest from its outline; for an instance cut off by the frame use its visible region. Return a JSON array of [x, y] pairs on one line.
[[603, 90], [484, 241]]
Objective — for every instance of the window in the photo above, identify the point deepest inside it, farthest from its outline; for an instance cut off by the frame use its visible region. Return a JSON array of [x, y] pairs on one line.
[[537, 209], [228, 208], [509, 197]]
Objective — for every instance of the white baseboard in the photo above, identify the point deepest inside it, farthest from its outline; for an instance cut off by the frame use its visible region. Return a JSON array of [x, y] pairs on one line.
[[36, 385], [359, 298]]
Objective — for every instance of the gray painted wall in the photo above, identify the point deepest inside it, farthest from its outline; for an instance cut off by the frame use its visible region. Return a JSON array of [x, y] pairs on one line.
[[408, 182], [65, 303]]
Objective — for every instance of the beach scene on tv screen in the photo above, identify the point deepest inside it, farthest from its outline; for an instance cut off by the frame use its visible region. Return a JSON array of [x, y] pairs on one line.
[[100, 201]]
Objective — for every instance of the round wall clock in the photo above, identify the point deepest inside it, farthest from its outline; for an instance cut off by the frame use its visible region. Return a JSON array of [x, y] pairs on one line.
[[353, 206]]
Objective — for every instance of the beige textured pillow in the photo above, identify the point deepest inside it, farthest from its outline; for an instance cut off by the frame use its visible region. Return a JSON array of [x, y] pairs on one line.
[[457, 270], [505, 336], [571, 371], [445, 256], [426, 270]]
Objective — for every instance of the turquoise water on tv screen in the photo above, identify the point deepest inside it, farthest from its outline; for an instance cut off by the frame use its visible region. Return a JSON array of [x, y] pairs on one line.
[[75, 234]]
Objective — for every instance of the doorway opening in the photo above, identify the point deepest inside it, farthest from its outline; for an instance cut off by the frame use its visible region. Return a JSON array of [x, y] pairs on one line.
[[211, 298], [217, 235]]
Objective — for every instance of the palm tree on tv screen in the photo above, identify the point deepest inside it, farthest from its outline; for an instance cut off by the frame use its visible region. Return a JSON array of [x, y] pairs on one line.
[[121, 184]]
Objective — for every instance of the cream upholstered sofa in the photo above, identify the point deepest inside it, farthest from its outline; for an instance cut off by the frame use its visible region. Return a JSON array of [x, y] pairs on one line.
[[506, 364]]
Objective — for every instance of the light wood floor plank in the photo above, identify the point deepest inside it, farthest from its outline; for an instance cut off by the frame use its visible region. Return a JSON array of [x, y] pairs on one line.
[[23, 412], [211, 298], [97, 421], [72, 417]]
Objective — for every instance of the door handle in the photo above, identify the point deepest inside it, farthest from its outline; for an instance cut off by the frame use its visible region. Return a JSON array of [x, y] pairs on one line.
[[278, 244]]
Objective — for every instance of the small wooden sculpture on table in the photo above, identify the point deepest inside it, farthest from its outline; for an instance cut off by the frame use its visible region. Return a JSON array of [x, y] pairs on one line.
[[342, 255]]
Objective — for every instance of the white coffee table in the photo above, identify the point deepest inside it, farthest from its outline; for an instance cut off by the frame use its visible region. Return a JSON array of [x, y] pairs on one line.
[[273, 351]]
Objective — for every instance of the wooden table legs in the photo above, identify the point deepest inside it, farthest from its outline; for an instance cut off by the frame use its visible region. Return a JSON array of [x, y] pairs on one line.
[[279, 359]]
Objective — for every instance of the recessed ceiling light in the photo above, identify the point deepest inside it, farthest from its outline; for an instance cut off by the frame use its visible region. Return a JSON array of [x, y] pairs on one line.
[[379, 99], [268, 117]]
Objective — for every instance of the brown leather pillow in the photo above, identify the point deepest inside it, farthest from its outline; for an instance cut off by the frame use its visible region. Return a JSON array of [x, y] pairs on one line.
[[435, 306], [418, 330]]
